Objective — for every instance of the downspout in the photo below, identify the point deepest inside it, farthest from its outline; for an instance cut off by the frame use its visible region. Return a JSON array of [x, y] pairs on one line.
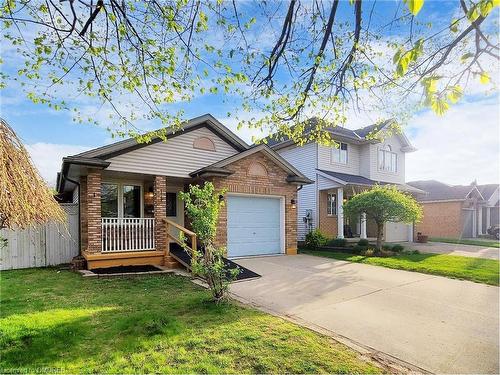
[[79, 211]]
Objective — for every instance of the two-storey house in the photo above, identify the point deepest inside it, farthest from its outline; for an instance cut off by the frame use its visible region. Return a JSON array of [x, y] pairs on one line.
[[358, 163]]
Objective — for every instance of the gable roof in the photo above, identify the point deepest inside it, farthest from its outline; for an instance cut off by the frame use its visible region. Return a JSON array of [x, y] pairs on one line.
[[488, 190], [439, 191], [218, 168], [207, 120], [338, 132]]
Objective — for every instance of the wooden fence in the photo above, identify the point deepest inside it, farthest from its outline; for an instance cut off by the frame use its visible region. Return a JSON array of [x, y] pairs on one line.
[[47, 245]]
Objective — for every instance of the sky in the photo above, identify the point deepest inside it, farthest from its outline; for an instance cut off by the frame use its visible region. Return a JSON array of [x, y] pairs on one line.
[[457, 148]]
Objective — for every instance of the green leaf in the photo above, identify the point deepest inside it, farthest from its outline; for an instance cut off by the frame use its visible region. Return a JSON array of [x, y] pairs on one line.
[[454, 26], [484, 78], [466, 57], [414, 6], [440, 106], [454, 94]]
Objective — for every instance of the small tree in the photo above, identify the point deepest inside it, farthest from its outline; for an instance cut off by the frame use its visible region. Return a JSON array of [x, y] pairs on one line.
[[383, 204], [25, 199], [203, 205]]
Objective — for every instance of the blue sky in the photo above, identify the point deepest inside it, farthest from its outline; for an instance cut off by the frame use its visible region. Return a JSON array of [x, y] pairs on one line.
[[457, 148]]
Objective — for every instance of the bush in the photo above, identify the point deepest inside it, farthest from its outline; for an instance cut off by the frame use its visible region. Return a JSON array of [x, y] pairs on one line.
[[387, 247], [369, 252], [338, 242], [358, 249], [363, 242], [315, 239], [398, 248]]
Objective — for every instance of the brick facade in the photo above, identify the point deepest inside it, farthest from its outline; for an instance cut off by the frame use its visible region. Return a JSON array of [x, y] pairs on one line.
[[441, 219], [327, 224], [83, 214], [274, 183], [160, 204], [93, 210]]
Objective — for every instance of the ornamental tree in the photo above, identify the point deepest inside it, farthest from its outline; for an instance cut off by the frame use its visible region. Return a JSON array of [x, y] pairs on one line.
[[281, 60], [203, 205], [25, 199], [383, 204]]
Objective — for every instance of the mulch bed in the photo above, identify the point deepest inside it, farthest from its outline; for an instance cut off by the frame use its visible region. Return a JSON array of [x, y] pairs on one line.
[[125, 269]]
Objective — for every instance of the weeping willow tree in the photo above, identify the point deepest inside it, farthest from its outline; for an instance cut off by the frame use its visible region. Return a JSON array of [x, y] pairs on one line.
[[25, 199]]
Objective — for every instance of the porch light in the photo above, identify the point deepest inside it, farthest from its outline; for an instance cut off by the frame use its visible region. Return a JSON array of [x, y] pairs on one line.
[[294, 204], [150, 192], [221, 198]]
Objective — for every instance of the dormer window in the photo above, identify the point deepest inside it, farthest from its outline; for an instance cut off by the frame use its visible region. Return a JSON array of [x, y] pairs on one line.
[[339, 154], [387, 159]]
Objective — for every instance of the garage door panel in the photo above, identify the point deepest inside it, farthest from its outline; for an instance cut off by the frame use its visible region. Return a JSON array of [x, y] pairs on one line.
[[253, 226]]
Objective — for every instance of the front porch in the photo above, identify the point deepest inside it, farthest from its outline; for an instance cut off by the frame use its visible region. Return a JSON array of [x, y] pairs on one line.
[[130, 219]]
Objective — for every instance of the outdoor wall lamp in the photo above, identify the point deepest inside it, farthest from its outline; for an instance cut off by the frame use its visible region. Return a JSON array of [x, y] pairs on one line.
[[294, 204], [221, 198], [150, 193]]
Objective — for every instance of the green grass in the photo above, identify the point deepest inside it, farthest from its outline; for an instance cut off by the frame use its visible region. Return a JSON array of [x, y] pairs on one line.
[[485, 242], [474, 269], [60, 322]]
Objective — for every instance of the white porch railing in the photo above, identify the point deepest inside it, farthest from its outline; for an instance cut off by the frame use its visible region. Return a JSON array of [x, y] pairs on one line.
[[127, 234]]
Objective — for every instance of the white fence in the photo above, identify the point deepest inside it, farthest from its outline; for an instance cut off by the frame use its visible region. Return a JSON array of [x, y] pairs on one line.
[[47, 245], [127, 234]]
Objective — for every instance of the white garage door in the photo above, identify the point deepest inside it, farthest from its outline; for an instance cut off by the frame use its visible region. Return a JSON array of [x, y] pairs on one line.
[[397, 232], [253, 226]]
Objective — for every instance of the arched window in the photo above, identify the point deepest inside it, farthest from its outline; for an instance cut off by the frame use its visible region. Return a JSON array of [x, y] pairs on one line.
[[204, 143], [387, 160], [257, 169]]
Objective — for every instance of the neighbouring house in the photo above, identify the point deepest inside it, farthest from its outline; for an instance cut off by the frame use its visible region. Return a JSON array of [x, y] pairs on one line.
[[130, 210], [457, 211], [360, 162]]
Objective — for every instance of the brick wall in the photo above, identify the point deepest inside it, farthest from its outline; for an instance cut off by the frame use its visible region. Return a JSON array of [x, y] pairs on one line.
[[93, 210], [160, 203], [274, 183], [327, 224], [83, 214], [441, 219]]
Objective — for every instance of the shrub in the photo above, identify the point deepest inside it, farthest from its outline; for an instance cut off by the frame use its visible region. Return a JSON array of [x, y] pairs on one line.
[[363, 242], [398, 248], [358, 249], [338, 242], [386, 253], [387, 247], [315, 239], [369, 252]]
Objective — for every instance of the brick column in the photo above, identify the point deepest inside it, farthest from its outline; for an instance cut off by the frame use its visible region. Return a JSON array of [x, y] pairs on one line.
[[83, 214], [93, 196], [160, 203]]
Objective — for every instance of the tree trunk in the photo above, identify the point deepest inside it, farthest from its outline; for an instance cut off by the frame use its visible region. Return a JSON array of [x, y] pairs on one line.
[[380, 229]]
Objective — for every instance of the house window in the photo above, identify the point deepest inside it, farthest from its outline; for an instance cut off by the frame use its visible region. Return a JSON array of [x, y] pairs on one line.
[[331, 204], [171, 204], [131, 201], [109, 200], [387, 159], [121, 200], [339, 154]]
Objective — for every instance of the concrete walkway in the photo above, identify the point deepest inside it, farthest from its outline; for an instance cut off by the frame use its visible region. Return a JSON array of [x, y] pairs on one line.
[[455, 249], [438, 324]]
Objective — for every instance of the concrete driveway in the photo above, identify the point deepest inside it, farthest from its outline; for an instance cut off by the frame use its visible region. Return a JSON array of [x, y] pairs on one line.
[[438, 324], [455, 249]]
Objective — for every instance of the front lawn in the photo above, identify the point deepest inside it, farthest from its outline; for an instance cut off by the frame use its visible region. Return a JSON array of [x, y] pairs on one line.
[[53, 321], [485, 242], [474, 269]]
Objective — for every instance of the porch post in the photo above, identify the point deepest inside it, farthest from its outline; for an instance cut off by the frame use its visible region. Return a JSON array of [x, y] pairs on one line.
[[93, 211], [363, 226], [480, 220], [340, 213], [160, 212], [488, 217]]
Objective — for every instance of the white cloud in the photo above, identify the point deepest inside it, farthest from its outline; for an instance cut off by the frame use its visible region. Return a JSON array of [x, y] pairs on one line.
[[47, 157], [458, 148]]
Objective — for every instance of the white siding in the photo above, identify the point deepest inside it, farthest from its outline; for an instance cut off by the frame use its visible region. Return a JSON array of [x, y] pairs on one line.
[[325, 160], [304, 159], [176, 157], [375, 174], [364, 160], [325, 183], [75, 195]]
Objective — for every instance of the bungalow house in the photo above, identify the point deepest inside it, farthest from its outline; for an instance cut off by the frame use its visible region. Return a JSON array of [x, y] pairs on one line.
[[338, 173], [130, 210], [457, 211]]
